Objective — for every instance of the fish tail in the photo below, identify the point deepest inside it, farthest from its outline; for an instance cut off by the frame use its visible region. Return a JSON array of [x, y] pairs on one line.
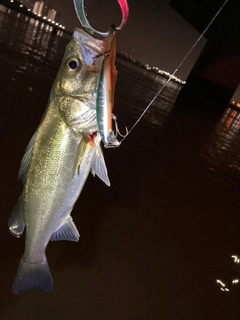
[[32, 276]]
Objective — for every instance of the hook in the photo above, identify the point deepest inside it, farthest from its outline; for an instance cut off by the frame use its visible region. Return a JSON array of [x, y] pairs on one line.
[[79, 7], [112, 141], [117, 129]]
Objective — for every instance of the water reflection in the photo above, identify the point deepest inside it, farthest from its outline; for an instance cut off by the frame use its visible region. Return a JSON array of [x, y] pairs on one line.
[[224, 288], [231, 283], [236, 259], [28, 50], [222, 285], [35, 38], [28, 47], [39, 41], [132, 76], [221, 153], [235, 281]]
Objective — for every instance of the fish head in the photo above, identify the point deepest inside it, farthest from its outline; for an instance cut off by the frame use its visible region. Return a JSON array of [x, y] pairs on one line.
[[79, 73]]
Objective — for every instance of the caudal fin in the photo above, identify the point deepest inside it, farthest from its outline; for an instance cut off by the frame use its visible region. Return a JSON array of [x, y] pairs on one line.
[[32, 276]]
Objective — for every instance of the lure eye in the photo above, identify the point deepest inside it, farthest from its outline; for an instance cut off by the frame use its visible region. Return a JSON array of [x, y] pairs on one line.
[[72, 65]]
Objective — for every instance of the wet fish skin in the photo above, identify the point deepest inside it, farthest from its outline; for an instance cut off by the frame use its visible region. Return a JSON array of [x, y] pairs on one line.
[[59, 157]]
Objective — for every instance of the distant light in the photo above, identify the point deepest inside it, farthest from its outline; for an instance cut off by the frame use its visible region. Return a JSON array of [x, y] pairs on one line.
[[63, 27], [29, 10], [235, 281], [39, 15], [20, 5], [44, 18], [49, 20], [57, 23]]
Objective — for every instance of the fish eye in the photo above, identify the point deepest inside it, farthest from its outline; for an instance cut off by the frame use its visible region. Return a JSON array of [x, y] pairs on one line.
[[72, 65]]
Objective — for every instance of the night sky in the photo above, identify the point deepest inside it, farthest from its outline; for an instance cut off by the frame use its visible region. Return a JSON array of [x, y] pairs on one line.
[[158, 35]]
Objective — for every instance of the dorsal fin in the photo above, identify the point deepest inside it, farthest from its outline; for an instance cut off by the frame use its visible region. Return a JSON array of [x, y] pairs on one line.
[[22, 173]]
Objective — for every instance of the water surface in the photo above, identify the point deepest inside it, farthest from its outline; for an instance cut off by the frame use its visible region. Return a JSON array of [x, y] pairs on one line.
[[154, 244]]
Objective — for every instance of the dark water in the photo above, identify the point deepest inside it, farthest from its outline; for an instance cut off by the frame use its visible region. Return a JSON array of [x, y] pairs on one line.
[[154, 244]]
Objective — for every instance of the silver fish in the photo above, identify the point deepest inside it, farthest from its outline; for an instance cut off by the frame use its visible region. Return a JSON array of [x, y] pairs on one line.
[[58, 159]]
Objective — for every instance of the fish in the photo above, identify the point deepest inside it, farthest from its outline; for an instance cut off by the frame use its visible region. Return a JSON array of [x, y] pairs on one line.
[[65, 148]]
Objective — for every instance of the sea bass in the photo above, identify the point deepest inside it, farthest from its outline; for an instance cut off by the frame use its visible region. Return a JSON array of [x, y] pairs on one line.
[[58, 159]]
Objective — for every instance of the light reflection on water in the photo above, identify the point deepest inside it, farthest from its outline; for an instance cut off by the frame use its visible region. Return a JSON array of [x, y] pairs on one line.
[[228, 285], [31, 48], [221, 157], [33, 54], [221, 151], [34, 49], [142, 95], [29, 36]]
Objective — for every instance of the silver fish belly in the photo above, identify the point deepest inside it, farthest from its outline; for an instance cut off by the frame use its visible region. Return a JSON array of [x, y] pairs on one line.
[[58, 159]]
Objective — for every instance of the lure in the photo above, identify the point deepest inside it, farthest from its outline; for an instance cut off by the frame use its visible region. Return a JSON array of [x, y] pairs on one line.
[[106, 92], [108, 77]]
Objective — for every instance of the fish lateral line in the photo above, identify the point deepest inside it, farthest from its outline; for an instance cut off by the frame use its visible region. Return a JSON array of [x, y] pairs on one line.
[[66, 137]]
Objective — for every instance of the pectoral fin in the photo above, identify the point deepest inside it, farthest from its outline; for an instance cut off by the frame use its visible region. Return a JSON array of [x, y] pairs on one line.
[[22, 173], [68, 231], [79, 155], [16, 222], [99, 167]]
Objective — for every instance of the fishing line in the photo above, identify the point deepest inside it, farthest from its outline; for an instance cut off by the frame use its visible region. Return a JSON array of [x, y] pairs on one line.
[[175, 71]]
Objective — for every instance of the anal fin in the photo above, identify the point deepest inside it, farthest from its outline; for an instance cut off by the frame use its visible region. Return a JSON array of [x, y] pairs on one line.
[[99, 167], [68, 231]]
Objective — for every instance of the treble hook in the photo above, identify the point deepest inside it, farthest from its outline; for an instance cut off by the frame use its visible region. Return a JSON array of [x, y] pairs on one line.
[[79, 7], [112, 141], [117, 129]]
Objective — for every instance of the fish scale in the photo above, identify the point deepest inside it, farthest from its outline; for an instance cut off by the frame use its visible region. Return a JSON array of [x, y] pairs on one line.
[[57, 162]]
